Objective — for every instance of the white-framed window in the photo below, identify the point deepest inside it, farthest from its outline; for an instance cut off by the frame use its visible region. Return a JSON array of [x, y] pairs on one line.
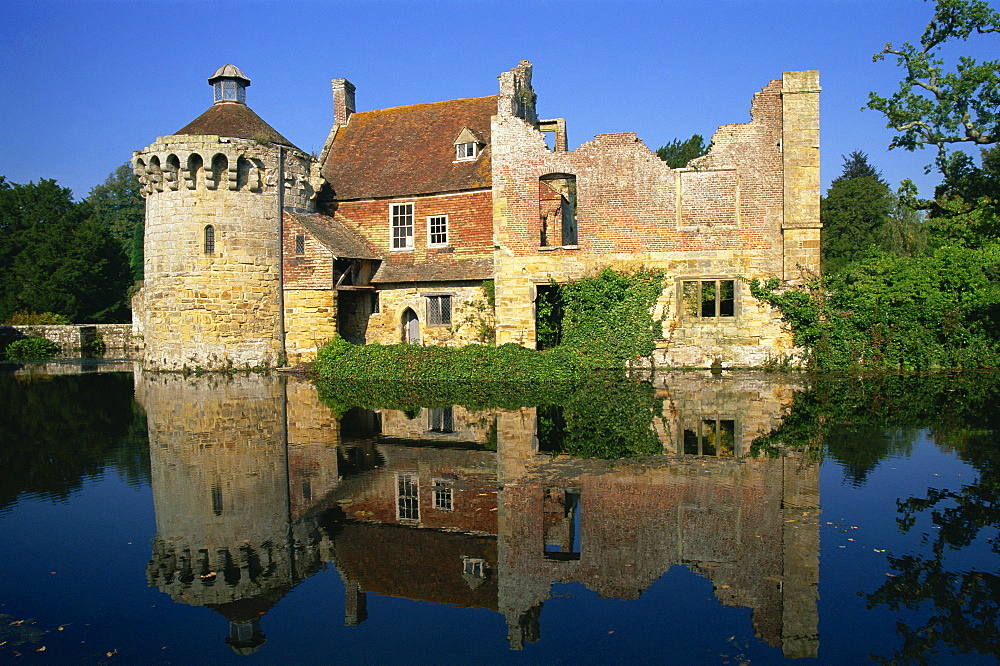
[[407, 496], [439, 310], [442, 494], [468, 150], [401, 223], [437, 230]]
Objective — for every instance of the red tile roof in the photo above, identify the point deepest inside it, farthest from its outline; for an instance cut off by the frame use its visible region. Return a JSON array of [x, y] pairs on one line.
[[409, 150], [398, 269], [336, 237], [234, 120]]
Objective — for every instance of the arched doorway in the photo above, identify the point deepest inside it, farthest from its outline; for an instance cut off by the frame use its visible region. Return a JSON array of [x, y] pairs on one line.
[[411, 327]]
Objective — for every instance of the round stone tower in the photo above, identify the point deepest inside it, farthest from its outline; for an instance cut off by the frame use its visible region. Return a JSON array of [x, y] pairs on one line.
[[211, 298]]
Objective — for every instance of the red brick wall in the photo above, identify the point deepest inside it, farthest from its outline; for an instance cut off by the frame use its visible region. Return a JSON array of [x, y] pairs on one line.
[[312, 270], [470, 224]]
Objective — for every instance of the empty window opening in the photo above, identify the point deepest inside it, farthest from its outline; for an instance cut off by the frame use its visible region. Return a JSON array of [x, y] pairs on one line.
[[561, 524], [437, 230], [439, 310], [402, 226], [557, 210], [442, 494], [210, 239], [711, 437], [548, 316], [300, 244], [709, 298], [407, 499], [217, 499]]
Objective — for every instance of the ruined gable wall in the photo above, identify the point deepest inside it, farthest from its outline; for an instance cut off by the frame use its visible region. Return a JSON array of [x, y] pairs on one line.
[[720, 218]]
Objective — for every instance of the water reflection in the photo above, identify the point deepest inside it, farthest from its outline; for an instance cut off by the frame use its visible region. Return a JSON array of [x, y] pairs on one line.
[[257, 484]]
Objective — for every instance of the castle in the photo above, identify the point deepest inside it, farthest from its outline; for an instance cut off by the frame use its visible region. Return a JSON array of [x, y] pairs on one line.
[[442, 223]]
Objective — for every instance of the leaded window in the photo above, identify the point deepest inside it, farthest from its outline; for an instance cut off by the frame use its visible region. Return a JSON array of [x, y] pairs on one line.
[[210, 239], [300, 244], [408, 501], [439, 310]]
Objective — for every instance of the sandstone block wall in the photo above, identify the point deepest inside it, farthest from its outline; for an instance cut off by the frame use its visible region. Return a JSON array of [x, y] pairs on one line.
[[219, 306], [469, 312], [118, 339]]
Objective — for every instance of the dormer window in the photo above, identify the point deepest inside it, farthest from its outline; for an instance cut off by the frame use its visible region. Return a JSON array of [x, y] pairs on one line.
[[466, 151], [467, 145]]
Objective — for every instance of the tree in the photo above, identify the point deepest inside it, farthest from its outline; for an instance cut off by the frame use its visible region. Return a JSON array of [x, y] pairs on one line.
[[856, 208], [939, 108], [57, 256], [943, 107], [678, 153], [119, 203]]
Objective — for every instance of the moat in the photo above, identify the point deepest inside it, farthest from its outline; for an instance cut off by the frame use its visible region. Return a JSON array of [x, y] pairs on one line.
[[690, 518]]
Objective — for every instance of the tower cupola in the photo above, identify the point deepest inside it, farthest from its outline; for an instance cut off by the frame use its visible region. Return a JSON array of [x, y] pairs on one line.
[[230, 85]]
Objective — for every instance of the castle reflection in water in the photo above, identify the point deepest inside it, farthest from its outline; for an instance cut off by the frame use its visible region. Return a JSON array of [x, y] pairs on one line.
[[257, 485]]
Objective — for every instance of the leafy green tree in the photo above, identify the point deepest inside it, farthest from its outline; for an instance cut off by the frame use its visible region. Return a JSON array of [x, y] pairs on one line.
[[57, 256], [939, 108], [678, 153], [943, 107], [854, 211], [119, 204]]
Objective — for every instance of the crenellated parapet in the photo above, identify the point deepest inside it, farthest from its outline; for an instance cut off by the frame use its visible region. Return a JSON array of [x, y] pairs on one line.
[[211, 163]]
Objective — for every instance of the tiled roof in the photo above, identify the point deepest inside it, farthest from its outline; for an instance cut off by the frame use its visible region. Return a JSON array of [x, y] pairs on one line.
[[400, 270], [335, 236], [234, 120], [409, 150]]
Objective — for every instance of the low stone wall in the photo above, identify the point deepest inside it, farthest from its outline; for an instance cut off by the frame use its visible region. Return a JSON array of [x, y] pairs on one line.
[[73, 339]]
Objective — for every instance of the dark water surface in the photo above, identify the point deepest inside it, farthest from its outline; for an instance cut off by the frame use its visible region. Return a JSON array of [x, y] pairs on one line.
[[746, 518]]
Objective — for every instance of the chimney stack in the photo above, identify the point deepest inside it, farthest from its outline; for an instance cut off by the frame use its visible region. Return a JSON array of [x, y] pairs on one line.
[[343, 100]]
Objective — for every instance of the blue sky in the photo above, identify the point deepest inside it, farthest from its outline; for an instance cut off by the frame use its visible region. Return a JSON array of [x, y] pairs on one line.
[[84, 83]]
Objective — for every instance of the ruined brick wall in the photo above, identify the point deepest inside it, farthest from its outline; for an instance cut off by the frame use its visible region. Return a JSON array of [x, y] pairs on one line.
[[215, 307], [720, 218]]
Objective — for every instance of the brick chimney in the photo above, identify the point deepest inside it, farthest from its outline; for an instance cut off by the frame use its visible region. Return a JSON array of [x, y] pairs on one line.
[[343, 100]]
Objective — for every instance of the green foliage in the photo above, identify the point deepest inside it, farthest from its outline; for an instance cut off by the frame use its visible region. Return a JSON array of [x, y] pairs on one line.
[[609, 317], [935, 107], [32, 347], [119, 204], [342, 360], [57, 255], [891, 312], [678, 153], [25, 318], [860, 213]]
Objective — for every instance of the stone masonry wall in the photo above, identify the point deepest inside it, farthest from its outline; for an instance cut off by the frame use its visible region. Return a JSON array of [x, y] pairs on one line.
[[219, 308], [469, 312], [118, 339]]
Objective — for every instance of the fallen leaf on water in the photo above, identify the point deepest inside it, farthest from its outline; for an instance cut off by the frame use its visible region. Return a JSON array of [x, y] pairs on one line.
[[112, 653], [41, 649]]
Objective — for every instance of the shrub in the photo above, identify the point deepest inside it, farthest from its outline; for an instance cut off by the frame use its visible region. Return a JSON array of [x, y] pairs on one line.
[[25, 318], [31, 348]]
